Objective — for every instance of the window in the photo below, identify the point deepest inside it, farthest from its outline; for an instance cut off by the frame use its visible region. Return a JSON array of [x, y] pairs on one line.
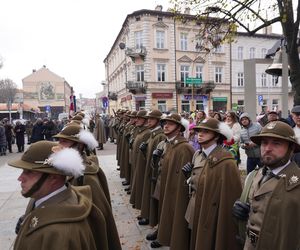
[[160, 39], [240, 53], [199, 105], [240, 79], [162, 106], [139, 73], [138, 39], [264, 80], [275, 104], [240, 105], [263, 52], [161, 72], [183, 41], [199, 72], [252, 53], [274, 81], [218, 74], [184, 72], [185, 106]]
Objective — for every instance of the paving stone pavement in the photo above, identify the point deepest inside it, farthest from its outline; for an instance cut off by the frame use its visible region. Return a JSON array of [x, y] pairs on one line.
[[12, 204]]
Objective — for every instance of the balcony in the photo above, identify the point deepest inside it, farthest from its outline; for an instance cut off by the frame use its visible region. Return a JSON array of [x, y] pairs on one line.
[[134, 53], [204, 88], [112, 96], [136, 87]]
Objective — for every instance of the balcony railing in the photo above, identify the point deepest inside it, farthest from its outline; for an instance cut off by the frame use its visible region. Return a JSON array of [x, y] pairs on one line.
[[204, 88], [136, 87], [134, 53]]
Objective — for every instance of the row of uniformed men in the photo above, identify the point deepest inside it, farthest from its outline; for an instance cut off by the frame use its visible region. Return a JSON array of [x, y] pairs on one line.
[[70, 202], [192, 196]]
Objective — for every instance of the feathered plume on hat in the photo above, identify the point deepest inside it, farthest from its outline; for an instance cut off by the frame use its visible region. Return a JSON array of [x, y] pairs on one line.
[[185, 123], [225, 130], [88, 139], [73, 166]]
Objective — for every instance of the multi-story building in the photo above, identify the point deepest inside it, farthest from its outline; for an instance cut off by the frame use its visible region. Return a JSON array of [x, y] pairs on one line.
[[47, 91], [155, 62]]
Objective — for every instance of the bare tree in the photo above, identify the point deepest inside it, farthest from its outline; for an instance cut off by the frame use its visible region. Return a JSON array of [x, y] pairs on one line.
[[251, 16], [8, 90]]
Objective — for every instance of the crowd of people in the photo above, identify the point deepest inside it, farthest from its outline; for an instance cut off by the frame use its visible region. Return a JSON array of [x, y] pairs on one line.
[[181, 171]]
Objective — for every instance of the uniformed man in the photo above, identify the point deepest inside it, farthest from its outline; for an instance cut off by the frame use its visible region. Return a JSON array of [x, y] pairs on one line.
[[274, 218], [157, 135], [217, 186], [99, 132], [173, 229], [58, 216]]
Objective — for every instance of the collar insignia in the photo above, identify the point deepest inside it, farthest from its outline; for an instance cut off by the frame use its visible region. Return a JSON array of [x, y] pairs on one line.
[[34, 222], [294, 179]]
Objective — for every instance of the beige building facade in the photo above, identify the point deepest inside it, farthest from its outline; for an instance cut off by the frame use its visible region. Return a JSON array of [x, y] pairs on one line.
[[47, 91], [156, 58]]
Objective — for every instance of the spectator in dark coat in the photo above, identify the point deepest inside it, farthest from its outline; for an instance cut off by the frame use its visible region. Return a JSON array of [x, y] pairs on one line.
[[49, 129], [8, 133], [2, 140], [37, 131], [19, 132]]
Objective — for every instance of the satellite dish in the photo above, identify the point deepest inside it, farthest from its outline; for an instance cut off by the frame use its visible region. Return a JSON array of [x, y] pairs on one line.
[[122, 45]]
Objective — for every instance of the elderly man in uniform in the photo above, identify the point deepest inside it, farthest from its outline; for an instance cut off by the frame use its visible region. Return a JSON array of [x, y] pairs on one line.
[[58, 216], [215, 189], [274, 218]]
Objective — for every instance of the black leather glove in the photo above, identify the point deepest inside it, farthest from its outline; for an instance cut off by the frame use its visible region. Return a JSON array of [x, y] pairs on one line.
[[241, 210], [187, 169], [143, 147], [19, 223], [156, 154]]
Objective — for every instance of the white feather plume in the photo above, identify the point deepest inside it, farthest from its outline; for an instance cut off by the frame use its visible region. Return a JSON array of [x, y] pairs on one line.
[[225, 130], [86, 121], [88, 139], [68, 161], [185, 123]]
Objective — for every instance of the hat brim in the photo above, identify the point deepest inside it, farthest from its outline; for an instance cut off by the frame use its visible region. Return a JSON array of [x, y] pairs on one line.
[[257, 140], [182, 129], [34, 167], [67, 137], [197, 128]]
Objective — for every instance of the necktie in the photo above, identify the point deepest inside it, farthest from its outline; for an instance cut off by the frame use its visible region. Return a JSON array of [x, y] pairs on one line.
[[267, 175]]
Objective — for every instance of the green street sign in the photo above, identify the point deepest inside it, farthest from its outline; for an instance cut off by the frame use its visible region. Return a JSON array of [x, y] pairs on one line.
[[193, 80]]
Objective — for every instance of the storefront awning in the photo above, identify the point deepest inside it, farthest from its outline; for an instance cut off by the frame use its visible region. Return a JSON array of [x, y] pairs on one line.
[[219, 99]]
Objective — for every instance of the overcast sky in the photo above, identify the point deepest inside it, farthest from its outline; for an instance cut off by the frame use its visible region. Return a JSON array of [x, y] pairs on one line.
[[70, 37]]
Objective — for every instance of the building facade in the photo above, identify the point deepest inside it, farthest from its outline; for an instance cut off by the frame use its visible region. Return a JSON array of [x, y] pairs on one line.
[[47, 91], [156, 62]]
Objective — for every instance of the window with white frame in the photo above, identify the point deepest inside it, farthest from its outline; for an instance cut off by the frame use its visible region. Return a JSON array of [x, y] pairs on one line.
[[252, 53], [199, 43], [161, 72], [274, 81], [184, 72], [162, 105], [138, 39], [275, 104], [185, 106], [183, 41], [199, 71], [160, 39], [240, 79], [218, 74], [240, 51], [263, 52], [139, 73], [263, 80]]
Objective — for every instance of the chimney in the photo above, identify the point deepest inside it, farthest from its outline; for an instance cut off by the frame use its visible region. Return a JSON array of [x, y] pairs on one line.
[[33, 71], [187, 11], [158, 8]]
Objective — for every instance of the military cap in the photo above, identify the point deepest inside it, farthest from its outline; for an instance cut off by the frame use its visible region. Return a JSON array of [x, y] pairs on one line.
[[141, 114], [174, 118], [154, 114], [277, 129], [216, 126], [80, 113], [296, 109], [76, 133], [128, 112], [48, 157], [273, 112], [77, 118], [133, 114], [77, 122]]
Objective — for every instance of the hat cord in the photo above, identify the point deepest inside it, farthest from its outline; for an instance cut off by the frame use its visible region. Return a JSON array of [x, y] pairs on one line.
[[36, 186]]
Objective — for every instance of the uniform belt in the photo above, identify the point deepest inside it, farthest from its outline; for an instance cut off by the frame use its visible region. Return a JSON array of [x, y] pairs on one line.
[[253, 236]]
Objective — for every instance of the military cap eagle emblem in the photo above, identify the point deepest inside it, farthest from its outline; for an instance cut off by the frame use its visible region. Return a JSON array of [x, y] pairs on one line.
[[294, 179]]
